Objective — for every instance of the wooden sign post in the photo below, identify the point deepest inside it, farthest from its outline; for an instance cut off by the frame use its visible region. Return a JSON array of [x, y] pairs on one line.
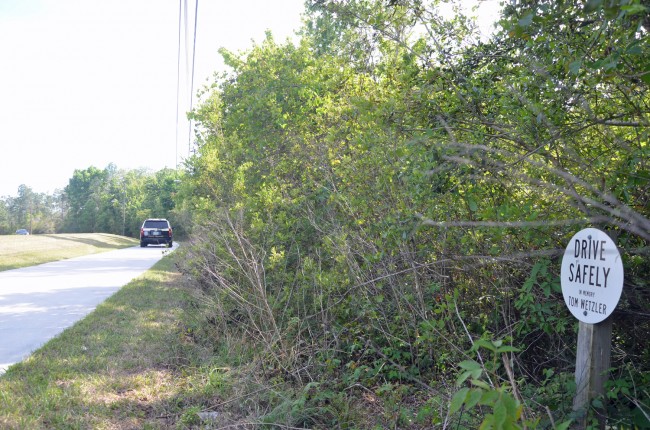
[[592, 282], [592, 363]]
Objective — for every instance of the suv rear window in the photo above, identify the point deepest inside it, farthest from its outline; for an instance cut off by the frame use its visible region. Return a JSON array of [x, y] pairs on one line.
[[155, 224]]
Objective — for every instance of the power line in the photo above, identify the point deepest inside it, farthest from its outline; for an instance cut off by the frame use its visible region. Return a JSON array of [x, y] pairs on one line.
[[178, 75], [189, 132], [189, 73]]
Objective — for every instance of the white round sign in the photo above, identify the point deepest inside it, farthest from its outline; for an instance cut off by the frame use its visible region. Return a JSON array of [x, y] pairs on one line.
[[591, 276]]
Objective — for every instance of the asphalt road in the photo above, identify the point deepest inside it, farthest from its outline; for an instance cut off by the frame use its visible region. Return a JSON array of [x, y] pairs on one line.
[[37, 303]]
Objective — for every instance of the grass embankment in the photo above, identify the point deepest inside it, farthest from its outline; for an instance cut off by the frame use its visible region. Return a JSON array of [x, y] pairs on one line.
[[22, 251], [132, 363]]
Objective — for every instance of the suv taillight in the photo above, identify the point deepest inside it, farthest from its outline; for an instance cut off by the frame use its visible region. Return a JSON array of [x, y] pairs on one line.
[[170, 232], [141, 232]]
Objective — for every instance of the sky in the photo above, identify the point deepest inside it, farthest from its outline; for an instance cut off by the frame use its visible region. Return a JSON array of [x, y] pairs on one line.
[[91, 82]]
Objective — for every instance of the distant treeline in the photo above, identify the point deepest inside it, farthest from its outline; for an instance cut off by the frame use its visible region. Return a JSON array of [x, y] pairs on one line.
[[95, 200]]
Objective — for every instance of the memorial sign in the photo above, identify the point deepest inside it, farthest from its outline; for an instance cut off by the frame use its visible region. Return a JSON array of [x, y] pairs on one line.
[[591, 275]]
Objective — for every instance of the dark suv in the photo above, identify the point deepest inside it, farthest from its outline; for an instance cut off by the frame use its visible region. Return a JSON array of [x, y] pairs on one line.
[[157, 231]]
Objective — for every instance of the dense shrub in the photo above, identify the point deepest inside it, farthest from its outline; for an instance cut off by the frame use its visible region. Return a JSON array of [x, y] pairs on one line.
[[378, 211]]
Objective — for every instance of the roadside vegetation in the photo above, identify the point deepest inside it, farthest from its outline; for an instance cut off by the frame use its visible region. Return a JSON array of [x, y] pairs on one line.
[[375, 217], [144, 359], [381, 210], [21, 251]]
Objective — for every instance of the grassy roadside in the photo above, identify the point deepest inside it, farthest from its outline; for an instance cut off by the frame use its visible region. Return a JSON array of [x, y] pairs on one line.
[[22, 251], [132, 363], [153, 356]]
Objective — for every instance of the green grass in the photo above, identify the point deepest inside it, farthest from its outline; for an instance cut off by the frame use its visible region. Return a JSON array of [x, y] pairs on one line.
[[22, 251], [132, 363]]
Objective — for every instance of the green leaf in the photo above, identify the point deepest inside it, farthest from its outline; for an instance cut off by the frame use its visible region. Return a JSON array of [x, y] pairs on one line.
[[458, 400], [469, 365], [480, 384], [485, 344], [512, 406], [463, 377], [634, 9], [489, 397], [473, 206], [472, 370], [507, 348], [500, 414], [574, 67], [634, 48], [526, 20], [473, 398]]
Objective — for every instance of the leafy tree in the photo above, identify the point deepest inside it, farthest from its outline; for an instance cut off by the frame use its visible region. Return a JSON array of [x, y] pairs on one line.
[[117, 201], [30, 210], [83, 194], [5, 226]]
